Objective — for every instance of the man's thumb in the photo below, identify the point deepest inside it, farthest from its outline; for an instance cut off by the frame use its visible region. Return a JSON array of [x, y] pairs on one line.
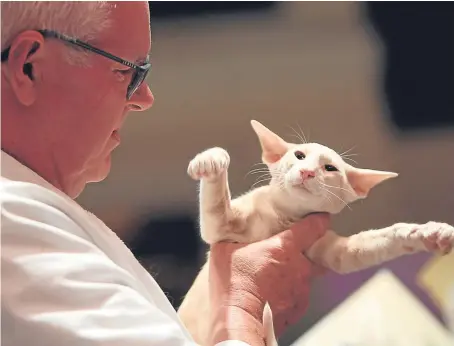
[[307, 231]]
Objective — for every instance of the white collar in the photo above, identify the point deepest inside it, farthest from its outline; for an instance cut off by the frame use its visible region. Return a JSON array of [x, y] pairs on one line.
[[13, 170]]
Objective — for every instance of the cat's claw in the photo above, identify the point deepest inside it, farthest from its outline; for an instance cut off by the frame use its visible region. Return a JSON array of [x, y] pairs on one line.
[[209, 164], [438, 236]]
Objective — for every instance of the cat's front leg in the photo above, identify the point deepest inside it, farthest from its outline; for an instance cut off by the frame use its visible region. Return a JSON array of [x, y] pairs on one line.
[[210, 167], [373, 247]]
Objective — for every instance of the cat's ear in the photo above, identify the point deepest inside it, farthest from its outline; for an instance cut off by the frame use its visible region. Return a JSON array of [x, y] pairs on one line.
[[363, 180], [273, 146]]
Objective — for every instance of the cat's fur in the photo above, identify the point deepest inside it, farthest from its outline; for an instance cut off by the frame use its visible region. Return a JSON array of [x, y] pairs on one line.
[[305, 178]]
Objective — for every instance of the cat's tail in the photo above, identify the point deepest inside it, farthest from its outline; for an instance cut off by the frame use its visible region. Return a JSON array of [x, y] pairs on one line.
[[373, 247], [268, 326]]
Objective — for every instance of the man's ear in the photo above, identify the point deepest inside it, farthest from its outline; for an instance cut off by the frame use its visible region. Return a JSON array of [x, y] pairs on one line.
[[273, 146], [23, 54]]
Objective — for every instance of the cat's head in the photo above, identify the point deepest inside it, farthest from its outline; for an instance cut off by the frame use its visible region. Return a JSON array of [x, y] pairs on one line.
[[313, 174]]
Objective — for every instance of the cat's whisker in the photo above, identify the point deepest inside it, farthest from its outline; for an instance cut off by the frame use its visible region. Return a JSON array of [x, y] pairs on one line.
[[265, 176], [308, 136], [260, 181], [296, 136], [257, 171], [347, 158], [262, 178], [328, 198], [302, 139], [325, 197], [262, 167], [302, 133], [340, 199], [347, 151], [334, 187], [259, 163]]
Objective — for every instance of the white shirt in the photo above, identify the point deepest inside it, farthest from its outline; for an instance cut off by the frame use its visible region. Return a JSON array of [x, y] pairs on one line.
[[67, 279]]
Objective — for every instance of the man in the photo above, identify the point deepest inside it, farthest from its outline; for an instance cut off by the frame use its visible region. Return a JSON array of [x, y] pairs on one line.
[[66, 278]]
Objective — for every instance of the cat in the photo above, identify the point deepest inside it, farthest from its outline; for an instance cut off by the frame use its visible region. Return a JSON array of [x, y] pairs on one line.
[[304, 178]]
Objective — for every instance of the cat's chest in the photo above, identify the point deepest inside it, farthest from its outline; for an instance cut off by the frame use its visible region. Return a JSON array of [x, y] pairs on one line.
[[259, 216], [262, 227]]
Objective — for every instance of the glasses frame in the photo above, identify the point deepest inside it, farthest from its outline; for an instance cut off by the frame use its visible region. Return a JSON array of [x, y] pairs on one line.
[[140, 71]]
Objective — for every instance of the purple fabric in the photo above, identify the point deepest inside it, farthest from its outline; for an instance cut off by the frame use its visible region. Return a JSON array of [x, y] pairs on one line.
[[335, 288]]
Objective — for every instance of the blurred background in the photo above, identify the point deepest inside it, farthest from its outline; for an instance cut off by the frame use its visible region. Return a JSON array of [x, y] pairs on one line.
[[378, 77]]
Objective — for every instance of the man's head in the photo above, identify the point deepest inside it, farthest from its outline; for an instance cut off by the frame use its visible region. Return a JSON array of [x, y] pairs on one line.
[[62, 104]]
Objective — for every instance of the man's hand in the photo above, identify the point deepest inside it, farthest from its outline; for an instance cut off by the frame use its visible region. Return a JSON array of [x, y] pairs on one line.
[[243, 277]]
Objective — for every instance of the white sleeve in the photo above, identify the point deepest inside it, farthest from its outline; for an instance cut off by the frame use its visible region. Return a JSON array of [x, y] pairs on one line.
[[59, 289]]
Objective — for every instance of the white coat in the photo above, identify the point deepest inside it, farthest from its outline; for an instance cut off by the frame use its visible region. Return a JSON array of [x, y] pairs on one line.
[[67, 279]]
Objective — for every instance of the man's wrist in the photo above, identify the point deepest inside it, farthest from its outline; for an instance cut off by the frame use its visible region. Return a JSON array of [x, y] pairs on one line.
[[236, 308], [235, 323], [237, 315]]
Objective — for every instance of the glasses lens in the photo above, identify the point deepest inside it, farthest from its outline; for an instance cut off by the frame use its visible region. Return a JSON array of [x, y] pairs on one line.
[[137, 79]]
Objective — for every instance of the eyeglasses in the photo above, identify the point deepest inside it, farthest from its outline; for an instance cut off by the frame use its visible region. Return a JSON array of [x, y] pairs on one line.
[[140, 71]]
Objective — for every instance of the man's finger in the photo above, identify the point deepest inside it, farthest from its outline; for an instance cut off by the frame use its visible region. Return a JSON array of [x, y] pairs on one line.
[[307, 231]]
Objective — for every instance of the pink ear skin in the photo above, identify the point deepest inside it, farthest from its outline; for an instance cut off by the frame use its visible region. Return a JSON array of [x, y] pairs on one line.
[[273, 146], [363, 180]]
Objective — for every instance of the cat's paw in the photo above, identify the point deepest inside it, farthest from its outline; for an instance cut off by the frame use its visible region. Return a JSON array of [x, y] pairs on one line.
[[209, 164], [437, 236]]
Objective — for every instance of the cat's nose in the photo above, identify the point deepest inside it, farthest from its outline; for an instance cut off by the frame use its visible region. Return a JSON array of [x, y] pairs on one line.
[[307, 174]]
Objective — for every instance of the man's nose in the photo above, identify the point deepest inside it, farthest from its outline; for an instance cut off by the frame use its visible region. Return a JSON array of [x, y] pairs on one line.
[[142, 99]]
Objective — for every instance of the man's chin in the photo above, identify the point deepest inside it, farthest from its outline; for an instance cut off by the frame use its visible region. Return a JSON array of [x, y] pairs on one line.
[[94, 172], [100, 171]]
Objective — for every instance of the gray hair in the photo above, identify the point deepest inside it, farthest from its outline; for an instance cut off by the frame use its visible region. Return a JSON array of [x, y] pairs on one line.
[[80, 19]]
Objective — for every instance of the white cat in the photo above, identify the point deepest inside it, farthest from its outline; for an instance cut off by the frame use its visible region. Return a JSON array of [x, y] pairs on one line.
[[305, 178]]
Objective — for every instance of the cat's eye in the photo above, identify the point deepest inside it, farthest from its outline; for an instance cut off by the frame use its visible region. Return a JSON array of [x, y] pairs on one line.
[[330, 168], [299, 155]]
